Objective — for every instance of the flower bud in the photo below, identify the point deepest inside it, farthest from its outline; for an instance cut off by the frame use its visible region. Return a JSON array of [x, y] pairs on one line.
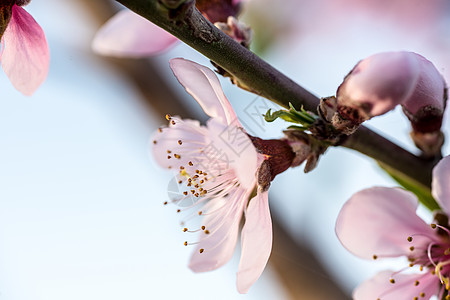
[[425, 108], [238, 31], [377, 84]]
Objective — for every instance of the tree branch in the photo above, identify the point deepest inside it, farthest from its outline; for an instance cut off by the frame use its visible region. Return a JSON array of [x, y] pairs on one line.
[[187, 23]]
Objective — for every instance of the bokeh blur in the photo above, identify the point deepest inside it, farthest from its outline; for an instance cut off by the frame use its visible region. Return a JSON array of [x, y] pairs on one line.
[[81, 200]]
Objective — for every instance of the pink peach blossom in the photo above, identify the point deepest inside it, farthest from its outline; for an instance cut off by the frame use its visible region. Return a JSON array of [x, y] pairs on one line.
[[24, 54], [217, 167], [130, 35], [382, 222], [127, 34]]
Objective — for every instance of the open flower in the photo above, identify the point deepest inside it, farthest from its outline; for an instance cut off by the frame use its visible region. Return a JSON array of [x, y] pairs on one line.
[[127, 34], [24, 53], [223, 174], [382, 222]]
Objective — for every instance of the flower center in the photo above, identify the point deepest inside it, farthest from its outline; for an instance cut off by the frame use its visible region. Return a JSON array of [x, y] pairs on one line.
[[205, 184]]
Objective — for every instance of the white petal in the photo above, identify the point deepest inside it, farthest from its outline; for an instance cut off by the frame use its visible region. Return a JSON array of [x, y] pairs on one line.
[[219, 245], [191, 135], [204, 86], [235, 149], [256, 242]]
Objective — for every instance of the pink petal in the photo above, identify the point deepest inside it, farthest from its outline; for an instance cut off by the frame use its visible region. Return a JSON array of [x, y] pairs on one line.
[[127, 34], [441, 184], [26, 57], [256, 242], [204, 86], [236, 149], [378, 221], [219, 245], [404, 288], [429, 90]]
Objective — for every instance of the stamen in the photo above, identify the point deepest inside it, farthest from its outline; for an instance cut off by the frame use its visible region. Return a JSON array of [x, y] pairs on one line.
[[443, 228], [429, 254], [180, 142], [201, 250], [168, 117]]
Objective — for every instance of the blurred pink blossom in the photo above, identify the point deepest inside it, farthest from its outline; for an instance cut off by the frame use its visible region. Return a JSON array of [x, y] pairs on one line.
[[24, 53], [382, 222], [218, 169], [127, 34]]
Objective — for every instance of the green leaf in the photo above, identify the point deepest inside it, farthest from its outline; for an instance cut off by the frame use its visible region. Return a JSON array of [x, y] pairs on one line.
[[292, 115]]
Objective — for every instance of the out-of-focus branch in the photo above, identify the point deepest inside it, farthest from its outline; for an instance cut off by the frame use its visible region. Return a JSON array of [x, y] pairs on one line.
[[300, 270], [188, 24]]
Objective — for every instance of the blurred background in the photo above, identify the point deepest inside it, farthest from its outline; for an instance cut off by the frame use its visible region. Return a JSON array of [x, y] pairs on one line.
[[81, 200]]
